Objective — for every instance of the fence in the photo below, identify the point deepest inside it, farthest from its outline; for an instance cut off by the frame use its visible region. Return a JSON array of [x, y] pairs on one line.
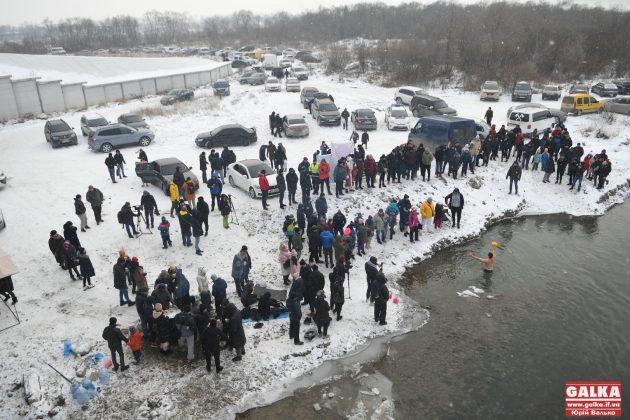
[[24, 98]]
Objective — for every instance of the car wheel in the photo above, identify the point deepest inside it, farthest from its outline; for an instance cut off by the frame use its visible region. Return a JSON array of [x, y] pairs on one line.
[[252, 192], [399, 101], [106, 148], [415, 113], [145, 141], [231, 181]]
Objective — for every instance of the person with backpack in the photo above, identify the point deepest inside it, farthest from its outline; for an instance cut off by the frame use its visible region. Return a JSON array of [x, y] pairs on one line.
[[185, 323], [165, 234], [125, 217], [94, 196], [189, 193], [114, 338], [216, 187], [211, 338], [225, 207], [110, 162], [87, 269]]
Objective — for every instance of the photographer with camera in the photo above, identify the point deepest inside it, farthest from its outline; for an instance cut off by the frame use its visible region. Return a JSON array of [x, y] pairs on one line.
[[225, 207], [125, 217], [150, 206]]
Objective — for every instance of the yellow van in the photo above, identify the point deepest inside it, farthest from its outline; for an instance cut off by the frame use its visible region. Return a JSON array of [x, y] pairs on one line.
[[580, 103]]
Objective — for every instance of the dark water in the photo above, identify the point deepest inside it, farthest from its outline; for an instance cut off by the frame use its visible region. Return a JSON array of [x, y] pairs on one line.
[[561, 312]]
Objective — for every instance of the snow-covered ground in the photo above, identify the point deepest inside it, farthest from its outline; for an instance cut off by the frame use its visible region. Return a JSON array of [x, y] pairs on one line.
[[94, 70], [39, 197]]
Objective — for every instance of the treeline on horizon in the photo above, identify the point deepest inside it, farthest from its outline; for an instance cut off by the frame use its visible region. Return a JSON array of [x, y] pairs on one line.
[[502, 41]]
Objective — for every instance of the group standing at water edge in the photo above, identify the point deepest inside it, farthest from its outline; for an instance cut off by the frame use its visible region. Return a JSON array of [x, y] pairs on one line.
[[334, 240]]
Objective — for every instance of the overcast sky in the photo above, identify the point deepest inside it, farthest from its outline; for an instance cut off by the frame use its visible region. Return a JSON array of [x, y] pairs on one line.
[[35, 11]]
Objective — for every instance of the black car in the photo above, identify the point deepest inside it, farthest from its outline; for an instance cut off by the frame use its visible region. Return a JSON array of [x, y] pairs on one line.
[[227, 135], [58, 133], [177, 95], [160, 172], [623, 86], [307, 58], [133, 120], [605, 89], [239, 64], [277, 72]]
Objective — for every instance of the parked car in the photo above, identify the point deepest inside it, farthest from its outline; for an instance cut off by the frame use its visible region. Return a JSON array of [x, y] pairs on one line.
[[605, 89], [308, 93], [551, 92], [177, 95], [530, 119], [558, 114], [132, 120], [295, 125], [310, 58], [244, 175], [578, 88], [239, 64], [623, 86], [300, 54], [91, 121], [255, 78], [363, 119], [277, 72], [292, 84], [580, 103], [522, 91], [227, 135], [289, 52], [269, 60], [404, 94], [221, 88], [618, 105], [58, 51], [325, 112], [113, 136], [396, 117], [442, 129], [490, 91], [160, 172], [300, 72], [285, 63], [425, 105], [58, 133], [272, 85], [482, 127]]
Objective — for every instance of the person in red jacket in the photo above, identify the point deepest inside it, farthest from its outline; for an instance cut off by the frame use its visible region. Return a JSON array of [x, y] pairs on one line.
[[369, 166], [324, 175], [263, 183]]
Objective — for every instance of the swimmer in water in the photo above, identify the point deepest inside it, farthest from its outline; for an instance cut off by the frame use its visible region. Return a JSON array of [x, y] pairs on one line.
[[488, 263]]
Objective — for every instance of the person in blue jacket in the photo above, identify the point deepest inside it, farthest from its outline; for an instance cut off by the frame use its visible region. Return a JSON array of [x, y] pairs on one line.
[[216, 187]]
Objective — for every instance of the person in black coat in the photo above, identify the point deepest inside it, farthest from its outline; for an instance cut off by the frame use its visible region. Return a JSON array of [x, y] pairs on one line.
[[211, 338], [318, 282], [282, 187], [292, 181], [150, 206], [114, 338], [120, 164], [110, 162], [55, 244], [203, 167], [126, 216], [381, 293], [455, 202], [236, 334], [87, 269], [514, 173], [295, 316], [265, 305], [179, 179], [6, 289], [337, 294], [322, 317], [203, 211], [70, 233], [120, 281]]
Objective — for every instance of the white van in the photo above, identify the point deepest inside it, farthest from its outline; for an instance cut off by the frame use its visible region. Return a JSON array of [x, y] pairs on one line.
[[530, 119]]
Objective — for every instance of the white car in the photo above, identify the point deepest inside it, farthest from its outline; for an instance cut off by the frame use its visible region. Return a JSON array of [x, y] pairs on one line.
[[490, 91], [272, 84], [300, 72], [482, 128], [244, 176], [289, 52], [285, 63], [292, 84], [397, 118], [295, 125], [404, 94]]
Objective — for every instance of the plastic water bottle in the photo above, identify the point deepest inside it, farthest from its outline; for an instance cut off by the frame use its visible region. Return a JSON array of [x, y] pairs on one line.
[[103, 376], [89, 387], [81, 396]]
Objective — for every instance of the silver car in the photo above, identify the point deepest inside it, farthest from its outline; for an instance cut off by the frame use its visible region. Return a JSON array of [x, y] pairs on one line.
[[90, 121], [133, 120], [113, 136], [618, 105], [256, 78], [292, 84], [295, 125]]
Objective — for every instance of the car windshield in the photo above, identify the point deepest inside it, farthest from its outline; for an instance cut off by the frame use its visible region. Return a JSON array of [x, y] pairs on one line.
[[609, 86], [296, 121], [552, 88], [522, 86], [327, 107], [320, 95], [365, 114], [493, 86], [439, 104], [399, 113], [580, 87], [272, 80], [133, 118], [56, 126], [222, 84], [254, 170], [170, 169], [97, 122], [299, 69], [173, 92]]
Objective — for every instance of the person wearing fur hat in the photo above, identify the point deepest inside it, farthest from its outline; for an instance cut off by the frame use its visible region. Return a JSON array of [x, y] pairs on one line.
[[114, 338]]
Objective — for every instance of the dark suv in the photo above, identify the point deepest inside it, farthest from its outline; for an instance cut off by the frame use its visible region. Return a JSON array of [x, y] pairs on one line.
[[426, 105], [522, 91], [58, 133], [227, 135], [623, 86]]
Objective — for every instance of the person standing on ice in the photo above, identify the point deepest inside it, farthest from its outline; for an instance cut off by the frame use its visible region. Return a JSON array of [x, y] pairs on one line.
[[79, 209], [381, 296], [455, 202], [110, 162], [514, 173], [488, 116]]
